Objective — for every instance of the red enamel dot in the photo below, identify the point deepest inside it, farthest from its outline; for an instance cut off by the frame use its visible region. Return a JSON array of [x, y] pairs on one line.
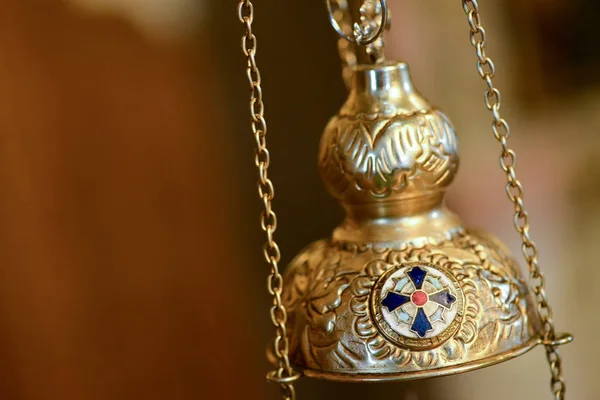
[[419, 298]]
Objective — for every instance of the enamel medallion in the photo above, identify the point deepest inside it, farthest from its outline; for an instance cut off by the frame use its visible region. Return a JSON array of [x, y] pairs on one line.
[[417, 306]]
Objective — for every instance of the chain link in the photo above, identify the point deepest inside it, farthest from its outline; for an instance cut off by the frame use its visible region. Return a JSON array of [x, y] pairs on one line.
[[284, 375], [514, 190]]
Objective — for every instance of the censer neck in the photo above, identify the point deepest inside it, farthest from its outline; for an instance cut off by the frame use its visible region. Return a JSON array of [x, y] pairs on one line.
[[388, 153], [385, 88], [436, 222], [397, 208]]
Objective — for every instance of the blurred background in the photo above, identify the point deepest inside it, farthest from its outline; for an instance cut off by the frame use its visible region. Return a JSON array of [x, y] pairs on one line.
[[130, 264]]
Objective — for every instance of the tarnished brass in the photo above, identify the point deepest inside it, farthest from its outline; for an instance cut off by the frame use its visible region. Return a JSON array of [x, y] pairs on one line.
[[401, 290]]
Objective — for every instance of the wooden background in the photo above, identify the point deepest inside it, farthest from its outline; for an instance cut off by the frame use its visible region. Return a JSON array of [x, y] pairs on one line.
[[129, 239], [115, 221]]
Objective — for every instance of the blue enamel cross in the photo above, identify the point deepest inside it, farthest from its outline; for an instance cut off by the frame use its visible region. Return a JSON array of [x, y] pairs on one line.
[[420, 322]]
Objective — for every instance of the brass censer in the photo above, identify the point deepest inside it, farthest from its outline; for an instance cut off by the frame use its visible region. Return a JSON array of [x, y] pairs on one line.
[[401, 290]]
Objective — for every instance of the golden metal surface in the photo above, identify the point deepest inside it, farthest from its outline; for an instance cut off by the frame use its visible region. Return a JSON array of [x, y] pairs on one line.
[[414, 375], [388, 157], [514, 189]]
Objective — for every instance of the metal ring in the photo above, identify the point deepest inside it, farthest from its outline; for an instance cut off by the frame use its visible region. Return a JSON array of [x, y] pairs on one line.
[[338, 29], [559, 340], [274, 378]]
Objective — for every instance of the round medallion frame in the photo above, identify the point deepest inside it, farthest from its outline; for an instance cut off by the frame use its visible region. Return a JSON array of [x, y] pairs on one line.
[[404, 341]]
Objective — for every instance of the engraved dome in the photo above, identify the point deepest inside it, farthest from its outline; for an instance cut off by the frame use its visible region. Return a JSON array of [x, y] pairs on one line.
[[387, 143]]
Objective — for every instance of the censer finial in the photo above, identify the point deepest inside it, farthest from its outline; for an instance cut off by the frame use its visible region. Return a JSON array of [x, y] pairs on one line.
[[360, 42]]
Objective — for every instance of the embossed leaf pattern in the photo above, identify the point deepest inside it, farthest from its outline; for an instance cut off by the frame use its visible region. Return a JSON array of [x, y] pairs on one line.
[[471, 277], [384, 156], [335, 335]]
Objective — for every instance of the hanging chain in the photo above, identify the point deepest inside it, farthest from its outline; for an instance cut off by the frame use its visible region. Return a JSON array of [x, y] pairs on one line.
[[284, 375], [514, 190]]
